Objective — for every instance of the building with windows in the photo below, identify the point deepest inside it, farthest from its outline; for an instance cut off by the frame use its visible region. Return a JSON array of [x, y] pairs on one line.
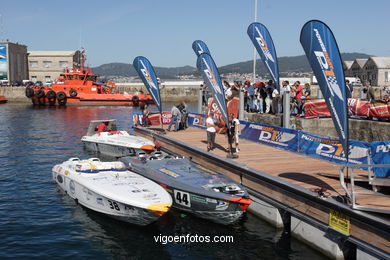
[[376, 70], [46, 66], [13, 62]]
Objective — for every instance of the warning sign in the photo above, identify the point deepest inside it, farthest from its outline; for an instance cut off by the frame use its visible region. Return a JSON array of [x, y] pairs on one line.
[[339, 222]]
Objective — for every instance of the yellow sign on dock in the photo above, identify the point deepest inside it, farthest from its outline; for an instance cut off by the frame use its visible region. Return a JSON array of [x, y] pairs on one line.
[[339, 222]]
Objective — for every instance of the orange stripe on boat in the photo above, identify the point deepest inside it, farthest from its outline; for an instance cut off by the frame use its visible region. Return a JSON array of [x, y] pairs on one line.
[[242, 202]]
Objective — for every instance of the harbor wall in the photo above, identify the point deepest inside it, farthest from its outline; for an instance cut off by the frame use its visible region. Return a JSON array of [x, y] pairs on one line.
[[171, 91]]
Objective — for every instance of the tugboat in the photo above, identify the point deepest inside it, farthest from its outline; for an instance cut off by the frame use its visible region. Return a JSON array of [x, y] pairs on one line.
[[81, 86], [3, 100]]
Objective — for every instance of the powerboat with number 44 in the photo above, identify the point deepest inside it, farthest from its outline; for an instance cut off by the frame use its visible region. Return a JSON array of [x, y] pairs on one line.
[[111, 189], [114, 143], [194, 188]]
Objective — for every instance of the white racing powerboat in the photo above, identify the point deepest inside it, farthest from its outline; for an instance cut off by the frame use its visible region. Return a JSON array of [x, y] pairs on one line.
[[109, 188], [112, 142]]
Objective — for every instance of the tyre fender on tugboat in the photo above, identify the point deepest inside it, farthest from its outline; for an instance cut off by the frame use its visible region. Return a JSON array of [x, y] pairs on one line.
[[51, 94], [135, 100], [40, 93], [29, 92], [61, 95], [73, 93]]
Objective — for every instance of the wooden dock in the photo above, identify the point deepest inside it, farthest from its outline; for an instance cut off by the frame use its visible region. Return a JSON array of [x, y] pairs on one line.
[[290, 180]]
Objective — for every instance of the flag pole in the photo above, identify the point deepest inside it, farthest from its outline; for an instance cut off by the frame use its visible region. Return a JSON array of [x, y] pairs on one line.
[[254, 49]]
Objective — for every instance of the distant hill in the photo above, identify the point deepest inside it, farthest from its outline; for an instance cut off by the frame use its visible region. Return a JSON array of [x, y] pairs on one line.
[[286, 65], [127, 70]]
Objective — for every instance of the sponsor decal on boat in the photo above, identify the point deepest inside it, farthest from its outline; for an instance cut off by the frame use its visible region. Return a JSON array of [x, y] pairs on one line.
[[169, 172], [222, 205], [211, 200], [198, 198], [206, 170], [99, 201]]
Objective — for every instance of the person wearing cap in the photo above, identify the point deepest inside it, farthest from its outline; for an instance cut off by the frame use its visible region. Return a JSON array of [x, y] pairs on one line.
[[211, 131]]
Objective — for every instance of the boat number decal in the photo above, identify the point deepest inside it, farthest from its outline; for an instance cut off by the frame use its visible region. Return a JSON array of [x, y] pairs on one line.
[[114, 205], [182, 198]]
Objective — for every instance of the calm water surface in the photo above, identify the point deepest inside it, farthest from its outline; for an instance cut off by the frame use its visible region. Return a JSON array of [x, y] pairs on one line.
[[38, 221]]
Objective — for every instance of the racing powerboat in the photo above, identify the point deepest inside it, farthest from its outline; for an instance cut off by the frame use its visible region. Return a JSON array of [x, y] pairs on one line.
[[114, 143], [110, 188], [194, 188]]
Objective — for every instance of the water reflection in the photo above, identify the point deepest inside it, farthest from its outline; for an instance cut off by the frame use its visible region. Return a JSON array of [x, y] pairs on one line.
[[37, 220]]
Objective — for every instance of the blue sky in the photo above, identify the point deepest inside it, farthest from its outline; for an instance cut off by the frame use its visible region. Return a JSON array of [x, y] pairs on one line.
[[163, 30]]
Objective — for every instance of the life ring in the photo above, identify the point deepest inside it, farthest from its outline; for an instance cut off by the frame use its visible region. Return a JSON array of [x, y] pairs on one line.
[[40, 93], [61, 95], [135, 100], [51, 94], [29, 92], [73, 93]]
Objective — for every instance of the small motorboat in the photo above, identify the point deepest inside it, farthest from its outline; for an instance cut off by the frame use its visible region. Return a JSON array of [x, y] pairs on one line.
[[111, 189], [194, 188], [114, 143]]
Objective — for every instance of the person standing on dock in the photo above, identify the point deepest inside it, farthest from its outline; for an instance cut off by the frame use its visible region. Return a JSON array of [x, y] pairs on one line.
[[211, 131], [298, 96], [176, 118], [234, 131]]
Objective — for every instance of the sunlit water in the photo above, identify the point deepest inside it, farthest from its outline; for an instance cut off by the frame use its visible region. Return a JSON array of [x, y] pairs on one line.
[[39, 221]]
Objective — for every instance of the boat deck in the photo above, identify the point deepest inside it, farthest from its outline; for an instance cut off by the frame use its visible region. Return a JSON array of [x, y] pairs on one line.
[[302, 170]]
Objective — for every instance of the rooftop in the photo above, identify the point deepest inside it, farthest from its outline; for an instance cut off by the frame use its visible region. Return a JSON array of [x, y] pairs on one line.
[[51, 53]]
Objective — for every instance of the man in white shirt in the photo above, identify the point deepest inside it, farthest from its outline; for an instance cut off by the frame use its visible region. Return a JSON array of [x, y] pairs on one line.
[[176, 118], [211, 131], [285, 88]]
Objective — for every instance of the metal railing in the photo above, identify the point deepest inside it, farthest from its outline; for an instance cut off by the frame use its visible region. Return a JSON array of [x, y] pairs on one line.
[[374, 181]]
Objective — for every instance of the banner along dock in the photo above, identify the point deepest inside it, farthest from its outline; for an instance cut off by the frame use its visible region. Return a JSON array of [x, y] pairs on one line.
[[294, 192]]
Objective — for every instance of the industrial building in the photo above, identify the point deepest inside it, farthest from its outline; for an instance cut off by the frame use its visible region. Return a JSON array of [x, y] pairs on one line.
[[13, 62], [376, 70], [46, 66]]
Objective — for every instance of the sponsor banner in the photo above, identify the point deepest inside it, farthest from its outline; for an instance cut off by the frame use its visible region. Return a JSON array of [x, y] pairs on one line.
[[316, 108], [3, 62], [232, 107], [323, 54], [379, 110], [197, 120], [209, 71], [380, 154], [356, 107], [261, 39], [200, 47], [146, 72], [154, 119], [331, 149], [271, 135]]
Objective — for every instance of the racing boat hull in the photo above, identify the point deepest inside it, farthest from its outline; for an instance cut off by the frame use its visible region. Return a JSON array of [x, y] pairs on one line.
[[195, 189], [122, 195]]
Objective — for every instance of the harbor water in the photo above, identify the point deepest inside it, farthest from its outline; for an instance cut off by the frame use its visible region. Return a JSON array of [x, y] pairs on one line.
[[38, 221]]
